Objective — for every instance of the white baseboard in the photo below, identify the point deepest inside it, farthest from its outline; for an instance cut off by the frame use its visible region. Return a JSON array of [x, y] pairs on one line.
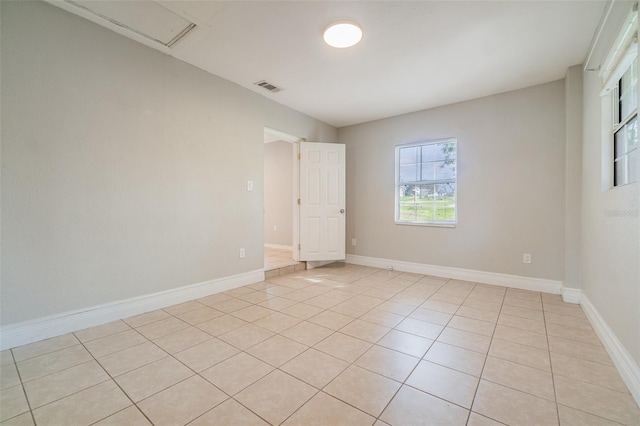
[[278, 246], [22, 333], [571, 295], [627, 367], [514, 281]]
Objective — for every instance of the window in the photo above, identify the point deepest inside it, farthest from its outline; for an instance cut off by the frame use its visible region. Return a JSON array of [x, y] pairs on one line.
[[426, 183], [619, 74], [625, 128]]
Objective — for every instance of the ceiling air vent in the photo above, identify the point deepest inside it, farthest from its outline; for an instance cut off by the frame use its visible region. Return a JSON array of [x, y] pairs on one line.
[[270, 87]]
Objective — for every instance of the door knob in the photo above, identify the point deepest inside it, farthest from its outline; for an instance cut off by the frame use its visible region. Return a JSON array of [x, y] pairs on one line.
[[341, 210]]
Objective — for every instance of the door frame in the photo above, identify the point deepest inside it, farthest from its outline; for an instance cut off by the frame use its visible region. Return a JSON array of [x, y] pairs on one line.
[[295, 190]]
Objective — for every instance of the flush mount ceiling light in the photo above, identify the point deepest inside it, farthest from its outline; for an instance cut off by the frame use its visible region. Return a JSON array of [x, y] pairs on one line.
[[343, 34]]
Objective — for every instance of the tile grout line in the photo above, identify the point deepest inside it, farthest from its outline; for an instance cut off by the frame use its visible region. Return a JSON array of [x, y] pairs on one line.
[[181, 381], [362, 291], [213, 336], [376, 418], [116, 382], [553, 380], [275, 368], [353, 364], [110, 378], [486, 355], [148, 341], [24, 391], [307, 349], [553, 376], [172, 356], [404, 382], [484, 364]]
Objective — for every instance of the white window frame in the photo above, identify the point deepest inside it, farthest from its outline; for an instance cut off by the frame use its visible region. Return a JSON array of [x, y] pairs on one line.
[[622, 54], [444, 224], [619, 123]]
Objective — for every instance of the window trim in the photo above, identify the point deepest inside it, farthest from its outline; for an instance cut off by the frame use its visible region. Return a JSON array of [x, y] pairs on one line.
[[441, 224], [619, 123], [620, 56]]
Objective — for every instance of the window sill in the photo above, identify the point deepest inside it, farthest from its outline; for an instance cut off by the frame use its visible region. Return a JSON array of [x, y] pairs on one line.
[[613, 188], [433, 224]]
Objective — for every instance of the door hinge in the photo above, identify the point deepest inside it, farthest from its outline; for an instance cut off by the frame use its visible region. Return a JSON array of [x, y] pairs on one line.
[[298, 156], [298, 246], [298, 201]]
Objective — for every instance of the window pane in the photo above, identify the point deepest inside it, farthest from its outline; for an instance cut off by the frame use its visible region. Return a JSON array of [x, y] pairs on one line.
[[620, 171], [409, 155], [620, 143], [408, 173], [626, 139], [437, 152], [632, 133], [625, 166], [628, 87], [626, 169], [428, 152], [434, 203], [427, 191], [446, 151], [429, 171], [418, 200], [449, 152], [632, 166], [438, 170], [414, 203], [446, 201], [445, 171], [447, 190]]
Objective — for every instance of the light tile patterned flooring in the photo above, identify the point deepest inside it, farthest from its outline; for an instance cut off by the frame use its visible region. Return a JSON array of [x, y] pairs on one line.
[[278, 262], [278, 259], [342, 344]]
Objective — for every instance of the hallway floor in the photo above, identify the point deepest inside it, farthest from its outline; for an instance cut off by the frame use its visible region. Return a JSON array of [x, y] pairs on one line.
[[342, 344], [278, 262]]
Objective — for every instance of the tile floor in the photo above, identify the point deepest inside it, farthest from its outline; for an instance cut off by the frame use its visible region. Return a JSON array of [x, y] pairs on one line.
[[279, 262], [339, 345]]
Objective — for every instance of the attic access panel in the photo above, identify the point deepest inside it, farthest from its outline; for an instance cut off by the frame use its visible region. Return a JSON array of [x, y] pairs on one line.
[[146, 18]]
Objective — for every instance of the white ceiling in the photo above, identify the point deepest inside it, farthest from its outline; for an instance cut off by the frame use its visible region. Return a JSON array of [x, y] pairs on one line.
[[414, 55]]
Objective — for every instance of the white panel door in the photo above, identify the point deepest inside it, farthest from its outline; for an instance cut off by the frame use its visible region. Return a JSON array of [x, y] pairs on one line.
[[322, 201]]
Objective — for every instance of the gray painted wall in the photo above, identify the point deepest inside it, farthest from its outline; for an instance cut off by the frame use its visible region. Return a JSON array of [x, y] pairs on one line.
[[573, 176], [610, 224], [278, 193], [510, 184], [123, 170], [123, 174]]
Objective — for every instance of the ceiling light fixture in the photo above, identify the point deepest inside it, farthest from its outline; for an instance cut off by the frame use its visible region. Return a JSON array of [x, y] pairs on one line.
[[343, 34]]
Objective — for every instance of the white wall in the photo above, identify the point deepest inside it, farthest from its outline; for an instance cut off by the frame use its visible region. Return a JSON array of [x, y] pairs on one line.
[[510, 184], [123, 169], [278, 193], [610, 224]]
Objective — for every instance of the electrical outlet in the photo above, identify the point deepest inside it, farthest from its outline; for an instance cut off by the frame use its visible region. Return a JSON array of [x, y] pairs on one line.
[[526, 258], [249, 185], [353, 242], [242, 253]]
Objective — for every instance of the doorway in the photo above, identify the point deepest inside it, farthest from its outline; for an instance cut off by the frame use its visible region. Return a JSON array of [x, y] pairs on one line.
[[280, 214], [312, 183]]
